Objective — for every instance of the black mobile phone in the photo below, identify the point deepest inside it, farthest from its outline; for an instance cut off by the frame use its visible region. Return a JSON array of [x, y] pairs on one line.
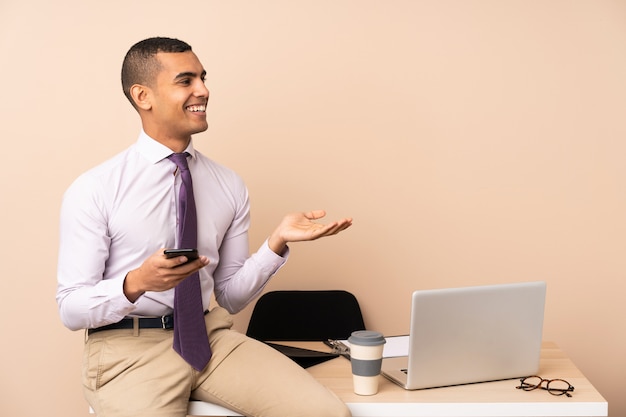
[[191, 254]]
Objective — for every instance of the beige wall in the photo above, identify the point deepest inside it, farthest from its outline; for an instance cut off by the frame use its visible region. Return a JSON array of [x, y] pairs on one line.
[[473, 142]]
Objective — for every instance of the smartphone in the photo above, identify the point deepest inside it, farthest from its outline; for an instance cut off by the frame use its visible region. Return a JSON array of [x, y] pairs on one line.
[[191, 254]]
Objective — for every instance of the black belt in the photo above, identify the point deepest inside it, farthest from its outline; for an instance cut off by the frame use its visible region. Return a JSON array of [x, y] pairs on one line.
[[163, 322]]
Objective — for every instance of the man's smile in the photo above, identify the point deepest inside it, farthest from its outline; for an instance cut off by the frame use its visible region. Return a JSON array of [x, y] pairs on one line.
[[197, 108]]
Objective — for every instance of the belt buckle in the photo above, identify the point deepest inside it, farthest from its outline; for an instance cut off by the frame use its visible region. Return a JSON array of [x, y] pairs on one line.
[[167, 322]]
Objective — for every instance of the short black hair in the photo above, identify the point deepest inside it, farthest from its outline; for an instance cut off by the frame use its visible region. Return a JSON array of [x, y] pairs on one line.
[[140, 64]]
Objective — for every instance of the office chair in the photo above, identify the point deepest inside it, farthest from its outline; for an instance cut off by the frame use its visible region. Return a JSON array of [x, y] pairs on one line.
[[305, 316]]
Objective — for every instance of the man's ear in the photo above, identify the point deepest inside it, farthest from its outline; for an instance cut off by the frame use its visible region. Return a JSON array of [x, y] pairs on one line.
[[141, 96]]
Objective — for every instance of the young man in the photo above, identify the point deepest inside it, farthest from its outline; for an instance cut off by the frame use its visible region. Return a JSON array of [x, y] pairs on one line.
[[115, 281]]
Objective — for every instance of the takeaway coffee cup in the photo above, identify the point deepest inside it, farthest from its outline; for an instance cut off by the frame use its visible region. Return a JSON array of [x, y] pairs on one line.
[[366, 356]]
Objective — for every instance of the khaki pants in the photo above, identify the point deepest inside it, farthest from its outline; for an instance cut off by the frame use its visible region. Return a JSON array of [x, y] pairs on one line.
[[130, 373]]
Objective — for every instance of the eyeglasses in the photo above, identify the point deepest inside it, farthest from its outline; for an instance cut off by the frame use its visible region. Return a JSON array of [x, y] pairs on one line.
[[553, 386]]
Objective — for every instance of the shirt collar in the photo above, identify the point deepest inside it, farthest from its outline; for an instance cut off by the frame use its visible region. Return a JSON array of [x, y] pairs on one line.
[[154, 151]]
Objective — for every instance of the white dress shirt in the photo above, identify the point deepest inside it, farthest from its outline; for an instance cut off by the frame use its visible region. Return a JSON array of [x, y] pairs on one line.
[[119, 213]]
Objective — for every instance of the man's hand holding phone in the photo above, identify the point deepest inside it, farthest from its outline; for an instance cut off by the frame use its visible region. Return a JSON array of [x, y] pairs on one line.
[[163, 270]]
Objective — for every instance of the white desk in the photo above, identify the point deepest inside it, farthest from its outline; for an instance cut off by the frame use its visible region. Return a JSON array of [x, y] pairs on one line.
[[492, 399]]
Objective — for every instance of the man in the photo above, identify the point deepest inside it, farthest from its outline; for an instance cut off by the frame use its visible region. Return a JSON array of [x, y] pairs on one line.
[[115, 281]]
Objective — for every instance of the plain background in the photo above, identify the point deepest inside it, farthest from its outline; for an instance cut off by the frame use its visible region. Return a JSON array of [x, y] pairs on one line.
[[473, 142]]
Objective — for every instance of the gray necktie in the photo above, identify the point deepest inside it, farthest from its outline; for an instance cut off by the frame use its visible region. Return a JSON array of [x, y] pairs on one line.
[[190, 336]]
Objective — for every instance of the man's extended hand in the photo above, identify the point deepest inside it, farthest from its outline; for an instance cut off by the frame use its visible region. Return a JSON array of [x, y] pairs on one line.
[[297, 227]]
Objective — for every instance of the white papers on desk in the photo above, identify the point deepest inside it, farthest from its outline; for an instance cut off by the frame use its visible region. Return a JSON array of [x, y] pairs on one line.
[[395, 346]]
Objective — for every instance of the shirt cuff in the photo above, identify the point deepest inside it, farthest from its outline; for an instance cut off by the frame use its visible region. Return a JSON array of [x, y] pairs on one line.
[[110, 292], [270, 260]]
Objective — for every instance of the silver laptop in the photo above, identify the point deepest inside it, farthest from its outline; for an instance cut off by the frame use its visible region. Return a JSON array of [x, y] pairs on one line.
[[472, 334]]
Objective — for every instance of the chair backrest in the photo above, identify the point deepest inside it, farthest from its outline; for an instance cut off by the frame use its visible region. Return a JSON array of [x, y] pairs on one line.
[[305, 316]]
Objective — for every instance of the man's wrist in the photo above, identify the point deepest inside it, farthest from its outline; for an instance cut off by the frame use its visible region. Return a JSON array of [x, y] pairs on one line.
[[131, 291], [276, 244]]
